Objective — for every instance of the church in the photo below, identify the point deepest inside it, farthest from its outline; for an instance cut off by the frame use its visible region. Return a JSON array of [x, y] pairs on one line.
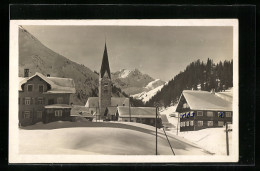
[[105, 106]]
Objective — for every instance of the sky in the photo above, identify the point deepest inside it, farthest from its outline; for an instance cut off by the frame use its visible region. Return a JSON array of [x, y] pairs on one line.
[[159, 51]]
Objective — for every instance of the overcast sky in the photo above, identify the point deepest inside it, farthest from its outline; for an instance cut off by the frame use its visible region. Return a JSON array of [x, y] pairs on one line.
[[161, 52]]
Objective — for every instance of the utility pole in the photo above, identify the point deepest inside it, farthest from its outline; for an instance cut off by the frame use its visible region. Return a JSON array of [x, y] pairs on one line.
[[227, 143], [96, 114], [129, 108]]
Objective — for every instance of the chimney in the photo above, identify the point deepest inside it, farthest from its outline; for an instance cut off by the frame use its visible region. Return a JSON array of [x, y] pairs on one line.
[[26, 72], [212, 91], [48, 75]]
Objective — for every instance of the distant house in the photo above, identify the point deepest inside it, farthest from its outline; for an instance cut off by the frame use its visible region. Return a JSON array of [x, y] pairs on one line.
[[81, 111], [202, 109], [44, 98], [93, 106], [145, 115]]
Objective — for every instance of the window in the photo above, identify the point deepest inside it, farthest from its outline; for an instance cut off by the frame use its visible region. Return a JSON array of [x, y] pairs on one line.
[[182, 124], [40, 100], [210, 123], [220, 123], [58, 113], [187, 123], [41, 88], [191, 123], [39, 114], [92, 112], [228, 114], [210, 114], [200, 123], [220, 114], [27, 114], [27, 100], [200, 113], [59, 100], [50, 101], [29, 87]]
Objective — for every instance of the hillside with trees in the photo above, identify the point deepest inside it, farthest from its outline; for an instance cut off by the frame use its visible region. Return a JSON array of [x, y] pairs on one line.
[[197, 76]]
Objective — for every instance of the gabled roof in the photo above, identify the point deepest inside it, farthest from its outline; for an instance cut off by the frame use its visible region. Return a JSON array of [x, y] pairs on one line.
[[115, 101], [58, 106], [105, 64], [204, 100], [137, 112], [92, 102], [58, 85], [119, 101], [81, 111]]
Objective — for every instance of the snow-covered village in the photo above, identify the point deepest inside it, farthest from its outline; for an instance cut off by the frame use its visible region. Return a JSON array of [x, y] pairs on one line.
[[123, 101]]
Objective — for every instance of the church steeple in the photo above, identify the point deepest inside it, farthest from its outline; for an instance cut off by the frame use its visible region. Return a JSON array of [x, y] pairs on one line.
[[105, 64]]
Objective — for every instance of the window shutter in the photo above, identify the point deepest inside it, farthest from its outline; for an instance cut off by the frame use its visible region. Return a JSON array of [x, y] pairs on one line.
[[23, 100]]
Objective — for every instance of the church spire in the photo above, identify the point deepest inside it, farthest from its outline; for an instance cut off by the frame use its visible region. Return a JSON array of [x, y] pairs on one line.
[[105, 64]]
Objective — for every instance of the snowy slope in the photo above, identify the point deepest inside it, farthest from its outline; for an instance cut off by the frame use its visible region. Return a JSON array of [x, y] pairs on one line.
[[116, 138], [146, 96], [124, 73]]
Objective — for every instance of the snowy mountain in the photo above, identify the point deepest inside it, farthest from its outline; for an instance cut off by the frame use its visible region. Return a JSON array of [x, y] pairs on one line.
[[146, 96], [38, 58], [134, 82]]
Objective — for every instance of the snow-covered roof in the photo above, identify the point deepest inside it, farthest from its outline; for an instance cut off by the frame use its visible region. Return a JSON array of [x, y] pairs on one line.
[[92, 102], [82, 111], [204, 100], [58, 85], [120, 101], [58, 106], [115, 101], [137, 112]]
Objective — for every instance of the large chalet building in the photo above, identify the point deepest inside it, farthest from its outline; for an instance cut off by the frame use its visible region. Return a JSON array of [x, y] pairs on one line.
[[44, 98], [202, 109]]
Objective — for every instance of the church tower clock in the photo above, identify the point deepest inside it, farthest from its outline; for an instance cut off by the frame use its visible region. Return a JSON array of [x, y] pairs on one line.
[[105, 85]]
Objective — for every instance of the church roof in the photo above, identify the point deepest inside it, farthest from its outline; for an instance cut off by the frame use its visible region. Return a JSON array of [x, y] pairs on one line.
[[137, 112], [115, 101], [105, 64]]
